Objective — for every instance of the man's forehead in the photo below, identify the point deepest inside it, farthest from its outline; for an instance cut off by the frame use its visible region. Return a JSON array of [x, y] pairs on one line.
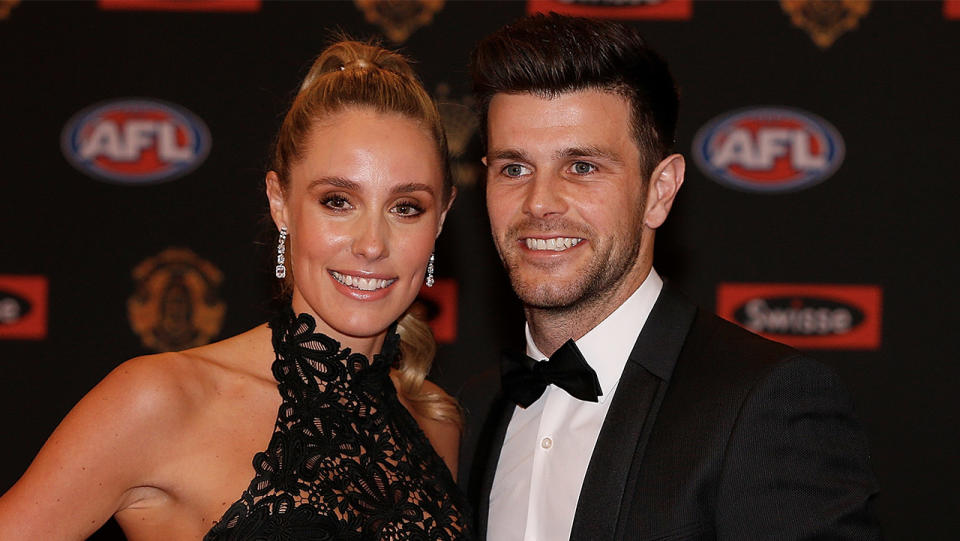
[[588, 122]]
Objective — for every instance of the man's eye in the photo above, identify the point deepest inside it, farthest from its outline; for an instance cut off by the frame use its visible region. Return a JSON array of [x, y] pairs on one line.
[[583, 168], [515, 170]]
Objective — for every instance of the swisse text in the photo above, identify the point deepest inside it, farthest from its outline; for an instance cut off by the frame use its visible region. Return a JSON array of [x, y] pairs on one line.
[[796, 317]]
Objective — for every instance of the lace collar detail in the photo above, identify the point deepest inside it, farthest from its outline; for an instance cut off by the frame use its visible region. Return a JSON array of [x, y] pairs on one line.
[[312, 361]]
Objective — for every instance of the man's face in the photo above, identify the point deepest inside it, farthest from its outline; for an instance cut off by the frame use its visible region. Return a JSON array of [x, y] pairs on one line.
[[565, 195]]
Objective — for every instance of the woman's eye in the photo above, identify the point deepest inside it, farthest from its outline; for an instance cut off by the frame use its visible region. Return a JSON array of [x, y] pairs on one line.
[[336, 202], [515, 170], [408, 208], [583, 168]]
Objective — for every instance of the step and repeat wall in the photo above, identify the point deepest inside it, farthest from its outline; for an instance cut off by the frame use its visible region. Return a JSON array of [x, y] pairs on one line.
[[819, 207]]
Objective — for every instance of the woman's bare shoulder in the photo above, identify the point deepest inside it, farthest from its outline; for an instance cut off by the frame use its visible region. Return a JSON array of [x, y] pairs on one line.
[[120, 436]]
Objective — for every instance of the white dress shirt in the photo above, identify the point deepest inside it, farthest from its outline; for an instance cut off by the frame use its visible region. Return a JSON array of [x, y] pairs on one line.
[[548, 445]]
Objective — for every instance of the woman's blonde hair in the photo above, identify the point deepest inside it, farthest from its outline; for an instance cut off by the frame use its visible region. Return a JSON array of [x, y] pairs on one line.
[[356, 74]]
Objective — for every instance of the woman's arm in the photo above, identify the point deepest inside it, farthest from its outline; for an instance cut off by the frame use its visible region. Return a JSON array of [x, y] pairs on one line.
[[104, 449]]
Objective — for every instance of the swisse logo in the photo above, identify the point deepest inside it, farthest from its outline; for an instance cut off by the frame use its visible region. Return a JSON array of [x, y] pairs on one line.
[[806, 316], [798, 316], [616, 9], [23, 307], [135, 141], [768, 149]]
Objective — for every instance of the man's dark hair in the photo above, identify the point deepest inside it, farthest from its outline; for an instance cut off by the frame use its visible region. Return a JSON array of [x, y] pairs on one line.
[[548, 55]]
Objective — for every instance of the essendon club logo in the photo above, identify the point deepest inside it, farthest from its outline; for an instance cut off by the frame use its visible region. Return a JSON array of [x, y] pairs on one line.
[[23, 307], [616, 9], [806, 316], [437, 306], [180, 5], [768, 149], [135, 141]]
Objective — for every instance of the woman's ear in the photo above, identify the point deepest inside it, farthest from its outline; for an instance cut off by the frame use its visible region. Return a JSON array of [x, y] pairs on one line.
[[277, 200], [662, 189]]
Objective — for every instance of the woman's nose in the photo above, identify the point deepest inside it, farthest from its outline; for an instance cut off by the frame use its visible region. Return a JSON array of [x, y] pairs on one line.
[[371, 240]]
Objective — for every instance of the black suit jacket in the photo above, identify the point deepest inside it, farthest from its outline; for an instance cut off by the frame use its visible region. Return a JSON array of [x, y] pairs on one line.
[[714, 433]]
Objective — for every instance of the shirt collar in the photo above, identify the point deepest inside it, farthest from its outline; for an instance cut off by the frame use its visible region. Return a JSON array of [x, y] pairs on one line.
[[607, 346]]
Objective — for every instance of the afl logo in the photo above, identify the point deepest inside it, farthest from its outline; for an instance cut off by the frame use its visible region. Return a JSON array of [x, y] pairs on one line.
[[768, 149], [135, 141]]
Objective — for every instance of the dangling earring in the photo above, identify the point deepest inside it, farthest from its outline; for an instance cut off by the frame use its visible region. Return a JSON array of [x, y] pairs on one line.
[[281, 250], [429, 281]]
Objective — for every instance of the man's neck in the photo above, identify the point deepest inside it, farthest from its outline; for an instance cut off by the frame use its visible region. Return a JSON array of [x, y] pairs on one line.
[[550, 328]]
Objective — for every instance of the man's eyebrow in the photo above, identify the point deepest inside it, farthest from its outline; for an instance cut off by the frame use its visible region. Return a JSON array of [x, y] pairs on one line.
[[509, 154], [589, 151], [336, 182]]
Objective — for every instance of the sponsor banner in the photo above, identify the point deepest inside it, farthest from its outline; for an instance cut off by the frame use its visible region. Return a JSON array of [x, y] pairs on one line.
[[806, 316], [437, 306], [677, 10], [951, 9], [135, 141], [23, 307], [180, 5], [176, 304], [768, 149]]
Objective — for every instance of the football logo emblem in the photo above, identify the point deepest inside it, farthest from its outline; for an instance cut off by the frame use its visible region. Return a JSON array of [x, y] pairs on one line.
[[768, 149], [135, 141]]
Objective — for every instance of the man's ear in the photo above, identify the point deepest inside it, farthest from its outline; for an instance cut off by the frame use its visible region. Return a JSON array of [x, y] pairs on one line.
[[662, 189], [278, 203], [443, 214]]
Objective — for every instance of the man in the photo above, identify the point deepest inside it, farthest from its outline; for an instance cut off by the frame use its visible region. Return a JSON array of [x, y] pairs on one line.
[[661, 421]]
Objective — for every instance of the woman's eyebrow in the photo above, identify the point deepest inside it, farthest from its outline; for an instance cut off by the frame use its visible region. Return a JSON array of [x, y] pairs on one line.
[[336, 182], [413, 187]]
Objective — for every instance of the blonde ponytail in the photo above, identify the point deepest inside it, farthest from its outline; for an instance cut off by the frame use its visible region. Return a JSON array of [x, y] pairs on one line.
[[417, 348]]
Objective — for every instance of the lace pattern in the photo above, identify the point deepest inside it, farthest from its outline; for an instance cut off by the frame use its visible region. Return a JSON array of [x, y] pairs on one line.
[[346, 460]]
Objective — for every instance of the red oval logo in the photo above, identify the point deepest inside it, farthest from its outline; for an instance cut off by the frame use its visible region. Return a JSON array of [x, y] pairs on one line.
[[768, 149], [135, 141]]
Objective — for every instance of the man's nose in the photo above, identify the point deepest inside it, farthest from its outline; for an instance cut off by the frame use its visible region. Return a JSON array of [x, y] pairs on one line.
[[545, 195]]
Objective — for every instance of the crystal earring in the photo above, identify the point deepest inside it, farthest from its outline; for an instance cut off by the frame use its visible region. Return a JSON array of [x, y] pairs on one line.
[[430, 281], [281, 250]]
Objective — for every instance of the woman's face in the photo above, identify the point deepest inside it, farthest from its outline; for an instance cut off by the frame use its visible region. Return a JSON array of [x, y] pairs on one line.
[[362, 208]]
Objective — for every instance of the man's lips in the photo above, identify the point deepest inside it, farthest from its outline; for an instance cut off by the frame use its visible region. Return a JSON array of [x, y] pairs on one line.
[[550, 244], [363, 283]]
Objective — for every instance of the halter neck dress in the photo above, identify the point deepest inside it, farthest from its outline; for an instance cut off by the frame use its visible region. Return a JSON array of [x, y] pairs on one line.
[[346, 460]]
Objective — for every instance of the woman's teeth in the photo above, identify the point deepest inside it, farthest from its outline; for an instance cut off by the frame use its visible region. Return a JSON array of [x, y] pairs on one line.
[[363, 284], [556, 244]]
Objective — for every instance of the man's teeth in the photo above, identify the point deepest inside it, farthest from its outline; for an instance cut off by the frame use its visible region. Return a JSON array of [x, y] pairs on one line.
[[364, 284], [556, 244]]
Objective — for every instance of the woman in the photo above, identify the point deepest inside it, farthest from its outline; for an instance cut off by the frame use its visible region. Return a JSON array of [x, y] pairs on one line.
[[356, 443]]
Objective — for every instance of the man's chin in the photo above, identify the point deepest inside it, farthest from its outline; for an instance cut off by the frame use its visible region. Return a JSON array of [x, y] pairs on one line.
[[547, 296]]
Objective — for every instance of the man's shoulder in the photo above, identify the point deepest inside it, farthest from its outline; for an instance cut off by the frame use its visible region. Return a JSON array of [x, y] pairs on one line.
[[724, 355]]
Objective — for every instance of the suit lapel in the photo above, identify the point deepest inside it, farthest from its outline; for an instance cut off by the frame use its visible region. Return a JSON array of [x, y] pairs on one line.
[[491, 442], [631, 416]]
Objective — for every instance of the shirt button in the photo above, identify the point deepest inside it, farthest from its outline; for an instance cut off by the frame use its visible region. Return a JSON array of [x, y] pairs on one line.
[[546, 443]]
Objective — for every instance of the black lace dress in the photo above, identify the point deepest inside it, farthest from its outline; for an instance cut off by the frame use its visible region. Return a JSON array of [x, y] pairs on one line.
[[346, 460]]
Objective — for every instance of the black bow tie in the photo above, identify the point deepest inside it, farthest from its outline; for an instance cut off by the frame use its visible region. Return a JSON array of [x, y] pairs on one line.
[[524, 379]]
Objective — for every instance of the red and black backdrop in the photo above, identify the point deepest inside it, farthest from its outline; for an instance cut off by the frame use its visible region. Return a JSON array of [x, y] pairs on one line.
[[820, 193]]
